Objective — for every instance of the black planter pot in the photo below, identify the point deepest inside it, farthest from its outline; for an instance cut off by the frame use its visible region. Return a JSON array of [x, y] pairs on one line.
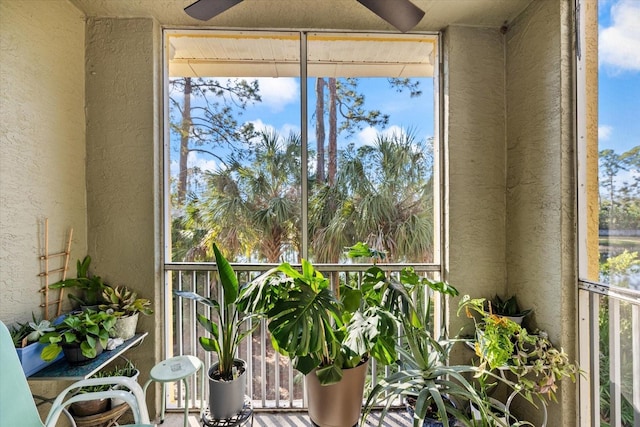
[[73, 353]]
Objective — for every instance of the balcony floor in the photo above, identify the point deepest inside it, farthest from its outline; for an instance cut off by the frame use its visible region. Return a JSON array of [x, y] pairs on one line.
[[288, 419]]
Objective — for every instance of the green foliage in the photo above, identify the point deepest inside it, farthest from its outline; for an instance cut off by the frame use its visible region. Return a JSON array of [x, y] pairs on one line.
[[503, 344], [436, 389], [24, 333], [225, 330], [617, 269], [128, 370], [506, 307], [87, 329], [619, 201], [316, 328], [91, 286], [124, 302]]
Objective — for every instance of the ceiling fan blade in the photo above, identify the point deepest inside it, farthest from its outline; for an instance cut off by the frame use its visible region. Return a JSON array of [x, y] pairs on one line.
[[402, 14], [207, 9]]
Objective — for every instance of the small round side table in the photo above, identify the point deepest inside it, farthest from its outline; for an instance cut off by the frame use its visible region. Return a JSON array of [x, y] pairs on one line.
[[176, 369], [246, 415]]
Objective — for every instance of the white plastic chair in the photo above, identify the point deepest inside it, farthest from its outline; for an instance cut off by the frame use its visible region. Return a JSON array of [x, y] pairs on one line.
[[17, 407]]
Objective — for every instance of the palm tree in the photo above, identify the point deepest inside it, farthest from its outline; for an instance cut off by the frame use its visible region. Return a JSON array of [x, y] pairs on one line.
[[252, 207], [382, 195]]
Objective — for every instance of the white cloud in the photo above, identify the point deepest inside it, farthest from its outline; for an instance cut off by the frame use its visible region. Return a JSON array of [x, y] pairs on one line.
[[367, 135], [604, 132], [619, 44], [260, 126], [276, 93], [197, 161], [284, 130]]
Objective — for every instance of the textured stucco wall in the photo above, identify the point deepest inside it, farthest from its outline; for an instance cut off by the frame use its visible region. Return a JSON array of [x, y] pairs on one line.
[[42, 135], [541, 256], [123, 163], [475, 128], [591, 159]]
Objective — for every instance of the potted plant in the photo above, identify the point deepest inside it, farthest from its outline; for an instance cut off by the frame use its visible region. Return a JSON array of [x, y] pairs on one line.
[[90, 286], [81, 335], [126, 306], [127, 370], [434, 392], [26, 338], [507, 307], [501, 344], [88, 408], [328, 338], [227, 377], [103, 411]]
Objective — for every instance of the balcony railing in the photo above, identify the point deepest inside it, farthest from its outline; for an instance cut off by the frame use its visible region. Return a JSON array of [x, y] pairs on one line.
[[610, 354], [272, 382], [609, 334]]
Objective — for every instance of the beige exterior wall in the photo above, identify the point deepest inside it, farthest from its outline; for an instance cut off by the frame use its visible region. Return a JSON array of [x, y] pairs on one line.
[[42, 160], [42, 135], [475, 134], [123, 164], [590, 51], [541, 217]]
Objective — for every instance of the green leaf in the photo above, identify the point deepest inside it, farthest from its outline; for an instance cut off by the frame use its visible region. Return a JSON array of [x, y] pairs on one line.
[[209, 344], [50, 352], [69, 337], [208, 325], [88, 350], [228, 277], [198, 298], [330, 374], [351, 298]]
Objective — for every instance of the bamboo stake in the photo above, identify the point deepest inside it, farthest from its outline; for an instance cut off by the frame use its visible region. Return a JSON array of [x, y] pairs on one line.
[[46, 268], [67, 252], [46, 273]]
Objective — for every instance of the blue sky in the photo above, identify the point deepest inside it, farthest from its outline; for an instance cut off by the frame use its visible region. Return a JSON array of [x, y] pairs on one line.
[[619, 92], [280, 108], [619, 74]]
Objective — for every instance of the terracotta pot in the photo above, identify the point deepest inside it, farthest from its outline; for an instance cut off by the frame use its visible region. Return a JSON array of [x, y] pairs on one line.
[[89, 407], [339, 404]]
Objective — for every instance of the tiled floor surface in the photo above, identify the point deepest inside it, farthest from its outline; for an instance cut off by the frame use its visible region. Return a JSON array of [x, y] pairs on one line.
[[288, 419]]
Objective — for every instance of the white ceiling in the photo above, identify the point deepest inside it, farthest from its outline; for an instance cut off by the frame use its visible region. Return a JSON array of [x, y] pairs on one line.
[[310, 14]]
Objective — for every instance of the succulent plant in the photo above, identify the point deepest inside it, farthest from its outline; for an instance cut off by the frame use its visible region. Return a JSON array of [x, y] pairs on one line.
[[124, 302], [25, 333]]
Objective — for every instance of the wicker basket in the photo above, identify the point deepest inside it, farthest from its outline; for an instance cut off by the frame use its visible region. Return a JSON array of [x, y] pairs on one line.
[[104, 419]]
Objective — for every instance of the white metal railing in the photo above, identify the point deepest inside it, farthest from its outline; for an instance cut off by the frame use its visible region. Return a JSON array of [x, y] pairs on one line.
[[271, 381], [610, 354]]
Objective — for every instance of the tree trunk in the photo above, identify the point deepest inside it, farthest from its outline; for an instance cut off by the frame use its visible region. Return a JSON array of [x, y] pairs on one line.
[[333, 133], [320, 135], [184, 141]]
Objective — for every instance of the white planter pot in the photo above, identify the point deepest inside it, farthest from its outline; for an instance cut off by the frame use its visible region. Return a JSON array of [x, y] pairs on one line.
[[114, 400], [226, 398], [125, 326]]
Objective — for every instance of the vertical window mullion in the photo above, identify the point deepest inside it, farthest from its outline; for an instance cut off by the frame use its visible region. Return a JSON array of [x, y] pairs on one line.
[[304, 138]]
